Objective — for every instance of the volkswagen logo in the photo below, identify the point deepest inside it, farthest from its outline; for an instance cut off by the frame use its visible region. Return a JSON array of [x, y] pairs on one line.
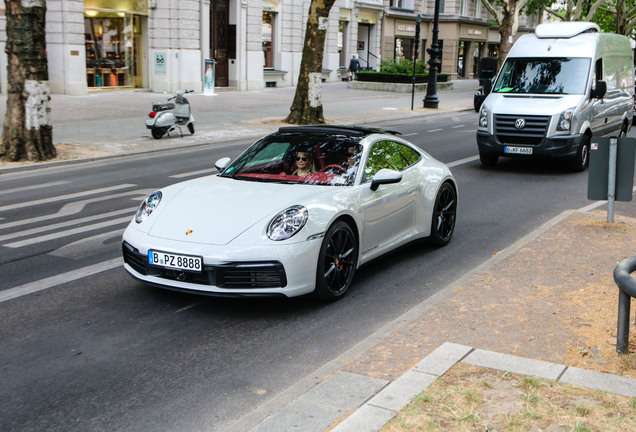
[[520, 123]]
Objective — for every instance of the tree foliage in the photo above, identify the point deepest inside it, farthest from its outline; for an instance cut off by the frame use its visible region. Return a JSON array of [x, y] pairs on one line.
[[307, 105], [27, 132], [506, 14]]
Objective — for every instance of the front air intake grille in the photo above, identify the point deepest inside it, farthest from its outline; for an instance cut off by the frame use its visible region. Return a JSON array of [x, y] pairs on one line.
[[521, 129], [133, 258], [230, 276], [256, 275]]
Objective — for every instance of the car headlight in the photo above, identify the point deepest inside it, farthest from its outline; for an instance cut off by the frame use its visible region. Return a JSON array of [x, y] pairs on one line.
[[287, 223], [148, 206], [483, 117], [565, 120]]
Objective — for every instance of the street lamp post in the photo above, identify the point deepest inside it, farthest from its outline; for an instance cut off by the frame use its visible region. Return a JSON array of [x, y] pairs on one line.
[[431, 100]]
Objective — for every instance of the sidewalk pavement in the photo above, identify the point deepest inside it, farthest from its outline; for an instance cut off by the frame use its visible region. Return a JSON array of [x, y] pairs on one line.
[[536, 308], [106, 124], [533, 309]]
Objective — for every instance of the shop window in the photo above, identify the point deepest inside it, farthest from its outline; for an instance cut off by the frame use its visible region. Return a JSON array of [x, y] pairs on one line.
[[404, 48], [110, 42], [269, 20], [402, 4], [462, 7], [477, 8]]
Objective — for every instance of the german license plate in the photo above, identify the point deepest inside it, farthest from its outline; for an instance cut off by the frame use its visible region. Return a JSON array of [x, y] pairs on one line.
[[175, 261], [518, 150]]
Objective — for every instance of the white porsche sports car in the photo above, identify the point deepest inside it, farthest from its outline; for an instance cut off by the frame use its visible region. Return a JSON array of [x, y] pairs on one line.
[[296, 213]]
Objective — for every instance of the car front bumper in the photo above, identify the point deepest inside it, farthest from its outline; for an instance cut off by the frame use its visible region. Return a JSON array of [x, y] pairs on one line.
[[279, 269], [557, 146]]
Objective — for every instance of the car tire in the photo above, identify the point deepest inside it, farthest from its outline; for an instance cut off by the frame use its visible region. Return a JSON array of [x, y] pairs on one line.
[[336, 263], [488, 159], [582, 158], [623, 132], [191, 128], [444, 215], [158, 132]]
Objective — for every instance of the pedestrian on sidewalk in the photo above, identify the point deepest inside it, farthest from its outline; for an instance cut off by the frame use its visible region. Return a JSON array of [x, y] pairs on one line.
[[354, 65]]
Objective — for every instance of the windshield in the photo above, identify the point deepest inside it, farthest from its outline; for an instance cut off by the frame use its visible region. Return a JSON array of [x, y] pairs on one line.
[[317, 158], [543, 76]]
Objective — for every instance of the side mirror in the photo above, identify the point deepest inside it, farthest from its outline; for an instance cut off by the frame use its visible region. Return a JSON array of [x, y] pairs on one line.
[[385, 176], [487, 86], [222, 163], [600, 90]]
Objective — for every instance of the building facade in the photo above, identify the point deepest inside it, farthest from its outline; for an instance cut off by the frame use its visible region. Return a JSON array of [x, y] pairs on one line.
[[166, 45]]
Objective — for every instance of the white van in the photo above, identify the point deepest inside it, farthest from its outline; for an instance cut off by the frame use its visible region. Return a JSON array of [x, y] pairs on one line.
[[556, 89]]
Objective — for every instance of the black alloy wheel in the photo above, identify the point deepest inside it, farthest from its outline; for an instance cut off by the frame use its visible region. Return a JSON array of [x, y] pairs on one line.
[[444, 215], [337, 262]]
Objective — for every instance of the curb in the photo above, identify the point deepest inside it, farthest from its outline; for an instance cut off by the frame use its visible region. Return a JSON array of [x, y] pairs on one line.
[[296, 407], [374, 414]]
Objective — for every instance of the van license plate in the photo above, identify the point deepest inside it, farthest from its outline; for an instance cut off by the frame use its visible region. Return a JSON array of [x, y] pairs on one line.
[[518, 150], [174, 261]]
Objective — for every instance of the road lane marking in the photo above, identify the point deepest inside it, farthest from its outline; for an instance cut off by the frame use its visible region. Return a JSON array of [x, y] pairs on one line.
[[39, 186], [195, 173], [64, 197], [458, 126], [87, 246], [67, 233], [78, 206], [410, 134], [68, 223], [41, 285], [435, 130], [462, 161]]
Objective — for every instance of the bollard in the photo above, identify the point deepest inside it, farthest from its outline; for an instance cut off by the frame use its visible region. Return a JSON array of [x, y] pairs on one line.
[[627, 290]]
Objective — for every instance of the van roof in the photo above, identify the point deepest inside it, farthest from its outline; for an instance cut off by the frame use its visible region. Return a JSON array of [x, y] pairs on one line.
[[564, 29]]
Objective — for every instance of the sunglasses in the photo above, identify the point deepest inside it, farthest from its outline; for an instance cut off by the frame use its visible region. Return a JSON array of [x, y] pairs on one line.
[[303, 158]]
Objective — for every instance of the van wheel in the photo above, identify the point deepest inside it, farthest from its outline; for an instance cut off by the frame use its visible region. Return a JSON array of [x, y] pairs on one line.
[[582, 158], [623, 132], [488, 159]]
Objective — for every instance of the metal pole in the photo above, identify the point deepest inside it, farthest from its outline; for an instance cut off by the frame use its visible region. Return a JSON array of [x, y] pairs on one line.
[[431, 100], [418, 20], [611, 179]]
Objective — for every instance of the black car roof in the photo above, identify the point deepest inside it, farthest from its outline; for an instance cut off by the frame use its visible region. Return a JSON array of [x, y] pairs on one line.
[[358, 131]]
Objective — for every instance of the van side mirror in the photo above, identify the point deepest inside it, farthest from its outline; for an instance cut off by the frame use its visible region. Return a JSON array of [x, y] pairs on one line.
[[487, 86], [600, 90], [222, 163]]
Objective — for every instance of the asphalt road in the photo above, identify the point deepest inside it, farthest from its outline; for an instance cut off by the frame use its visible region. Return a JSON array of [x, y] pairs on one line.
[[103, 352]]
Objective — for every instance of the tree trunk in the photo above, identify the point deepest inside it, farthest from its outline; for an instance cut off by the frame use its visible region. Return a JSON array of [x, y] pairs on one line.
[[27, 133], [307, 105], [505, 30]]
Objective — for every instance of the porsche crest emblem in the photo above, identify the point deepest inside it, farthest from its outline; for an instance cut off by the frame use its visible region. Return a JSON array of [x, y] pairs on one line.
[[188, 232]]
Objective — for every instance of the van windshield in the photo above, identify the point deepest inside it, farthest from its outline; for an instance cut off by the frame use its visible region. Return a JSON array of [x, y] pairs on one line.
[[543, 76]]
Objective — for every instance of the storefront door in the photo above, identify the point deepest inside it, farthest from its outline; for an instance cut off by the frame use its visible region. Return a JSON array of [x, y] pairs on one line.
[[219, 31], [112, 49]]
